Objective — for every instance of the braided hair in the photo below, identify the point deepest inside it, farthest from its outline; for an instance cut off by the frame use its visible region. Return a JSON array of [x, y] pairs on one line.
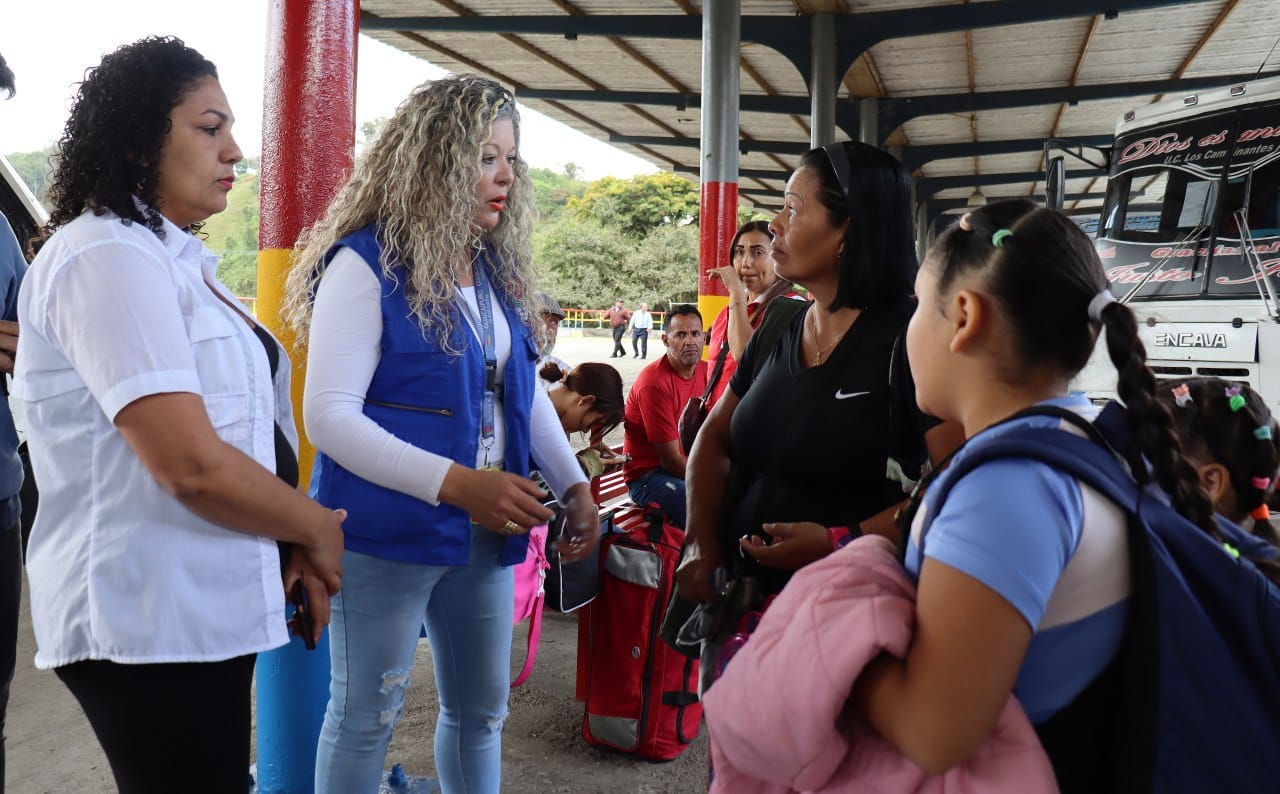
[[1044, 274], [1228, 423]]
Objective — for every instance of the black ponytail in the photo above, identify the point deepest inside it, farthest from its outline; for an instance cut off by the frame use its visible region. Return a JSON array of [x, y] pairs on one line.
[[1151, 424], [1044, 274]]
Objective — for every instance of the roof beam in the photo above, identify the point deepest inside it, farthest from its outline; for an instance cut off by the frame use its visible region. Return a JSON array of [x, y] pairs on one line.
[[779, 175], [896, 111], [796, 147], [855, 33], [929, 185], [913, 157], [936, 208]]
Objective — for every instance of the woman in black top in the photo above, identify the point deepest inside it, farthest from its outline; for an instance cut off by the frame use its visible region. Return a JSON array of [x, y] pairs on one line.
[[809, 426]]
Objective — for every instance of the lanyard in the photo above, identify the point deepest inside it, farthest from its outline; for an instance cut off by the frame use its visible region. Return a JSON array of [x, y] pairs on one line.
[[484, 327]]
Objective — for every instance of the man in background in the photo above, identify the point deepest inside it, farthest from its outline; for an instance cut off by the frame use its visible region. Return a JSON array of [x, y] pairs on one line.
[[551, 315], [618, 318], [651, 428], [641, 324]]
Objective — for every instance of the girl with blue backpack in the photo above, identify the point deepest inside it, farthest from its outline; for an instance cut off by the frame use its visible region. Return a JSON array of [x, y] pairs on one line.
[[1231, 438], [1025, 584]]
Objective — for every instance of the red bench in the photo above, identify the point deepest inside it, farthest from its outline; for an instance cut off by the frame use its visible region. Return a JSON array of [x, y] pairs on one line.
[[609, 490]]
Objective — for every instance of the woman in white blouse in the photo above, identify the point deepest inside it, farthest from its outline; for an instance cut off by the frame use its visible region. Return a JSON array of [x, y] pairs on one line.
[[161, 435], [416, 296]]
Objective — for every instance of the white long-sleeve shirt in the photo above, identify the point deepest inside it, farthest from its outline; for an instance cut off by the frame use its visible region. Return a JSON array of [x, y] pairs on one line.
[[343, 353]]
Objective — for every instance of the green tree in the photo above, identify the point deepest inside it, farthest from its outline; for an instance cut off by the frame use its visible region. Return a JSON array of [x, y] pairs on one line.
[[748, 214], [663, 268], [637, 205], [35, 168], [579, 263], [551, 190], [233, 235], [368, 133]]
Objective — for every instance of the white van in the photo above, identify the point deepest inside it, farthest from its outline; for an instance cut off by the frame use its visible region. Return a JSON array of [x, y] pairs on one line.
[[1190, 237]]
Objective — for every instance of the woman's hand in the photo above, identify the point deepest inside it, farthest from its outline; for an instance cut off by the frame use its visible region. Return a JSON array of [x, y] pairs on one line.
[[697, 573], [318, 564], [732, 283], [609, 459], [499, 501], [581, 524], [323, 553], [794, 545]]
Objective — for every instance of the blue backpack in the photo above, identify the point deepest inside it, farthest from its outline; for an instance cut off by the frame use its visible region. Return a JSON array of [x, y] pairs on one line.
[[1191, 701]]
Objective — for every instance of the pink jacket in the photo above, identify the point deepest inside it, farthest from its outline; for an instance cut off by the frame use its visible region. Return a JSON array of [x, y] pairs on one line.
[[774, 716]]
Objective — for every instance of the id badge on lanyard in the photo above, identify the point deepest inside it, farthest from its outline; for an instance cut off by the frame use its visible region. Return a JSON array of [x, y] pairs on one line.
[[484, 325]]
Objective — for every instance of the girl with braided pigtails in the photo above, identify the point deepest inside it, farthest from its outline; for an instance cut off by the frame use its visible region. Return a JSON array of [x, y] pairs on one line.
[[1234, 443], [1025, 578]]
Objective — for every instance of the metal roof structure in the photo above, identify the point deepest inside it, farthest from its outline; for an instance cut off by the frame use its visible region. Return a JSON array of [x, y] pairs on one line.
[[968, 90]]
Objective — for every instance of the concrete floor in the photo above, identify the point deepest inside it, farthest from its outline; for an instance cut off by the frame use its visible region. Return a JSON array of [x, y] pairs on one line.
[[52, 750]]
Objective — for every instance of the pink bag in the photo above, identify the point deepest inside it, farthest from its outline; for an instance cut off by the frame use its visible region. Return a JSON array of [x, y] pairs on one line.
[[530, 577]]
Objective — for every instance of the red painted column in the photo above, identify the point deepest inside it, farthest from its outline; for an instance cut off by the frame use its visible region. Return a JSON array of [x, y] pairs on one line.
[[308, 137], [718, 176]]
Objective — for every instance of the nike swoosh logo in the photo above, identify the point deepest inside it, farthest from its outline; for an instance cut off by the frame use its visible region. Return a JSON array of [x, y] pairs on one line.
[[840, 395]]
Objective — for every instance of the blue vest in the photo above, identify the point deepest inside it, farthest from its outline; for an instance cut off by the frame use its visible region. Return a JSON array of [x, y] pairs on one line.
[[431, 399]]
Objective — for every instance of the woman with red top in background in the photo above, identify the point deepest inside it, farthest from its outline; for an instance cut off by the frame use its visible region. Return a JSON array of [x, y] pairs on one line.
[[748, 277]]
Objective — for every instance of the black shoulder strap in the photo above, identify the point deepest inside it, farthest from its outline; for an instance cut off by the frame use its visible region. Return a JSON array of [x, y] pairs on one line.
[[716, 371], [777, 317]]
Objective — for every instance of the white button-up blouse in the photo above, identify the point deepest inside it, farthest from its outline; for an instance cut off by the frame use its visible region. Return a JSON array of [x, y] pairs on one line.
[[119, 569]]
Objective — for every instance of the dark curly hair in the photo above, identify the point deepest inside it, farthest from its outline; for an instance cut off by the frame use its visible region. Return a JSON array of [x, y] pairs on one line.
[[1241, 436], [110, 148]]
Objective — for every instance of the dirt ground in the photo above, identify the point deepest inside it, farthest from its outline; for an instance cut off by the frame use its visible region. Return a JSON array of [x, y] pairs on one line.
[[52, 750]]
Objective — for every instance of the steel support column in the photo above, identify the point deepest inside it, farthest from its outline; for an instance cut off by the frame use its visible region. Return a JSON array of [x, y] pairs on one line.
[[869, 120], [822, 81], [718, 206], [922, 229], [308, 135]]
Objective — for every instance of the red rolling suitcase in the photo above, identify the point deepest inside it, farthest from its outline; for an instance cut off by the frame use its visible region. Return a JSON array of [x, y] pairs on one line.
[[641, 696]]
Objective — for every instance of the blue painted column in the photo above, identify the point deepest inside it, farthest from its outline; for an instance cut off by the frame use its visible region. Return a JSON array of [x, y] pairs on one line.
[[307, 145]]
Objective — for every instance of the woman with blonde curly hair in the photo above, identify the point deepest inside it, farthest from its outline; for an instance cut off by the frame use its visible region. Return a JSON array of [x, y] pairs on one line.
[[412, 295]]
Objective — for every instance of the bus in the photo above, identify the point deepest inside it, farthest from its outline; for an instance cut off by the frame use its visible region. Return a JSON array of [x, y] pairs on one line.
[[1189, 236]]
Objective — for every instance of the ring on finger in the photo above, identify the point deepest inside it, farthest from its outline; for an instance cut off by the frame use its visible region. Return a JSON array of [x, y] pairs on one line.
[[511, 527]]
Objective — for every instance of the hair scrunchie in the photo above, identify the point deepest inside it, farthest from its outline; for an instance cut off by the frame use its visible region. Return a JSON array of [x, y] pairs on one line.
[[1100, 302]]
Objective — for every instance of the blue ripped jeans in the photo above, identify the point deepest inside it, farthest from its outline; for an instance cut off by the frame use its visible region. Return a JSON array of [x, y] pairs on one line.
[[373, 635], [656, 485]]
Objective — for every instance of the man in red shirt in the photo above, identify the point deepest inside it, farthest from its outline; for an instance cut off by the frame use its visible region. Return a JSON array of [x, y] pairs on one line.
[[618, 318], [651, 439]]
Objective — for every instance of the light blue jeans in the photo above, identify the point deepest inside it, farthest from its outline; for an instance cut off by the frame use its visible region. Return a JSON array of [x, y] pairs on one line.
[[373, 635]]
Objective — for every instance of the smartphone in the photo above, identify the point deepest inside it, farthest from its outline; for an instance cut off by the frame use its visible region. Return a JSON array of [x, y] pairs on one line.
[[301, 622]]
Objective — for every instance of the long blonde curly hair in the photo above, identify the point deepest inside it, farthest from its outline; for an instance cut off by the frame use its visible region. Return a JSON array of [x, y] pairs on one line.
[[417, 184]]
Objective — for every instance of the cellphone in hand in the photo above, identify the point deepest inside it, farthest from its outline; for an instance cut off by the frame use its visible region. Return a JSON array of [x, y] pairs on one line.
[[301, 622]]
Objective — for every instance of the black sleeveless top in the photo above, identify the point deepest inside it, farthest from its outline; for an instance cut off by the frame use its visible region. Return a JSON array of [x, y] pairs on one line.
[[286, 458]]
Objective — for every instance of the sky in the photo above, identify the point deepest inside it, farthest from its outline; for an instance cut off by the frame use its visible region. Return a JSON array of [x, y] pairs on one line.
[[50, 43]]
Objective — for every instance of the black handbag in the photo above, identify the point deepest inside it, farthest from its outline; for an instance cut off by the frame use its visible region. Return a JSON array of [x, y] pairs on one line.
[[571, 585]]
